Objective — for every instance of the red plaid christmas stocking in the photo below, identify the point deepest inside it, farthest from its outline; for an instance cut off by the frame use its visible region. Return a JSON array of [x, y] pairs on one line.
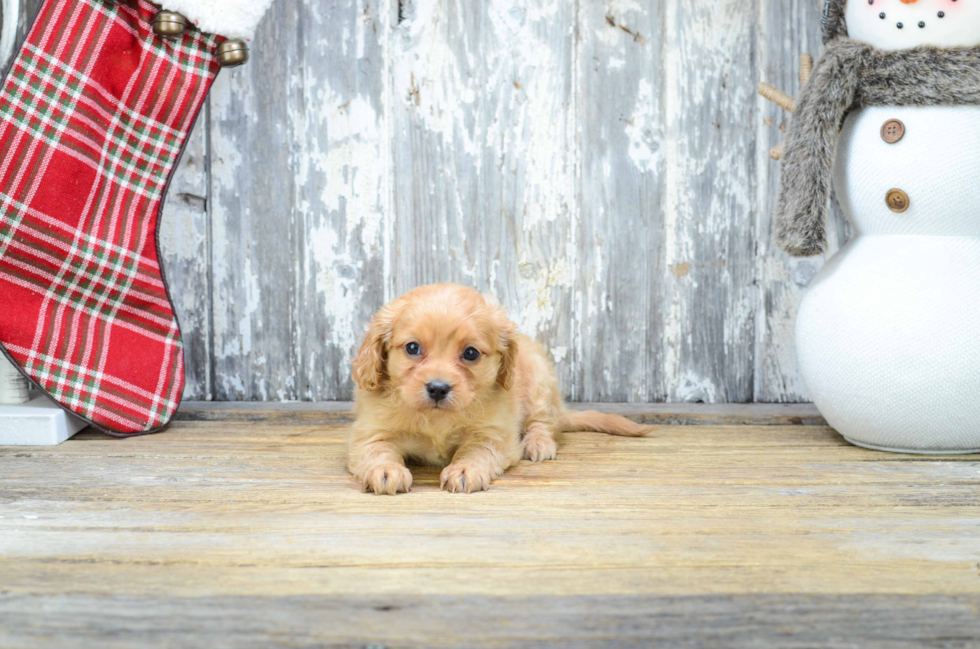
[[94, 113]]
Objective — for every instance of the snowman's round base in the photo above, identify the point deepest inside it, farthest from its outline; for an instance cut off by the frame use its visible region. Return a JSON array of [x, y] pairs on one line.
[[917, 451], [889, 344]]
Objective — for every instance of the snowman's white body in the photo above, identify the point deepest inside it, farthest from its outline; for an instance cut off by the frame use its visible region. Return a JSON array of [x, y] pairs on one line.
[[888, 334]]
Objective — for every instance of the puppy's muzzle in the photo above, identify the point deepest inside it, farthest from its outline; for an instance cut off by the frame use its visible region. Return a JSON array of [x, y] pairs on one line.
[[438, 390]]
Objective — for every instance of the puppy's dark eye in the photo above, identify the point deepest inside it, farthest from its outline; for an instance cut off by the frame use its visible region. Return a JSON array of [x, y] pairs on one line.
[[413, 349], [471, 354]]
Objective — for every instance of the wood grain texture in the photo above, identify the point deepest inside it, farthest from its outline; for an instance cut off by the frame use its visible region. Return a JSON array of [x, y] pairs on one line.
[[594, 165], [602, 167], [596, 622], [792, 29], [297, 183], [619, 291], [249, 532], [184, 236], [709, 230]]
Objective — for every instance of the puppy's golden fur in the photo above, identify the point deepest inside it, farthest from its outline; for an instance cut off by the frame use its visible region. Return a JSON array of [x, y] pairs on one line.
[[444, 378]]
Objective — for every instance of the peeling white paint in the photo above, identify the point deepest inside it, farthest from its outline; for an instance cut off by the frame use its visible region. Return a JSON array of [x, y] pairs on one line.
[[674, 244], [693, 388], [329, 265], [426, 79], [558, 354], [644, 147], [620, 8], [537, 308], [458, 145]]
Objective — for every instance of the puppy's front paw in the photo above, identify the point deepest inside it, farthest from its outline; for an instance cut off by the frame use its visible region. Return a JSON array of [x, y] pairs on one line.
[[465, 478], [387, 479], [539, 448]]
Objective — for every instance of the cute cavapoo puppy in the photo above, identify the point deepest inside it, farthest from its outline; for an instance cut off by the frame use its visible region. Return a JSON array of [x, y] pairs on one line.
[[443, 378]]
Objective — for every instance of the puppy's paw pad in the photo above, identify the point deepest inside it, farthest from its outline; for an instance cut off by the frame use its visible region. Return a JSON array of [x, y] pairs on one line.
[[539, 448], [387, 479], [463, 478]]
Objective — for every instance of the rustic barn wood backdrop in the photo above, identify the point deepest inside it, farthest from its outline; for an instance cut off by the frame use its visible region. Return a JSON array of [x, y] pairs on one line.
[[600, 165]]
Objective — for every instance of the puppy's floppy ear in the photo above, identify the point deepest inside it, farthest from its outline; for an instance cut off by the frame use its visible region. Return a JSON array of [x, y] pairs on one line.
[[508, 351], [369, 369]]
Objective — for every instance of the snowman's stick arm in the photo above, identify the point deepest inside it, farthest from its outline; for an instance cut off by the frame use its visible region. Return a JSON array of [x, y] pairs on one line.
[[777, 97], [784, 101], [806, 68]]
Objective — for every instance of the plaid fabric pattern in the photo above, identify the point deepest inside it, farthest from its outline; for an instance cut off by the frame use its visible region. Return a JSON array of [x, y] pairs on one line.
[[93, 115]]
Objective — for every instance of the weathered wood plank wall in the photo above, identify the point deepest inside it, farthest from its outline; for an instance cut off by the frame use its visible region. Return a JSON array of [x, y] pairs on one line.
[[787, 28], [600, 165]]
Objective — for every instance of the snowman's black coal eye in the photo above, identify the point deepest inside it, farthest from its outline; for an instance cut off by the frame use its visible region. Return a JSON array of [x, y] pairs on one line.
[[882, 15], [921, 25], [900, 25], [413, 349]]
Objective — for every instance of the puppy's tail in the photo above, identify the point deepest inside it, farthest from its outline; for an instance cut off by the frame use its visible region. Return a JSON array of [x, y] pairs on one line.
[[599, 422]]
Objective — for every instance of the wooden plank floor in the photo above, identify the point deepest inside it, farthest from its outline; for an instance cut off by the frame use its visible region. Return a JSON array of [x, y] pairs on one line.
[[240, 528]]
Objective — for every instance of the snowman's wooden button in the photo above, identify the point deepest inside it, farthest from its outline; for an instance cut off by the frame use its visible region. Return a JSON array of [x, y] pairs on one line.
[[892, 131], [897, 200]]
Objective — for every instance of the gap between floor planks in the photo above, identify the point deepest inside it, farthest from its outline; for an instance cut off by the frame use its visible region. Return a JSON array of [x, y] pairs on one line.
[[666, 414]]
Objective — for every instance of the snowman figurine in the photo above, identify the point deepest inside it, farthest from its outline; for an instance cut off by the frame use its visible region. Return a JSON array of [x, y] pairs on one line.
[[888, 333]]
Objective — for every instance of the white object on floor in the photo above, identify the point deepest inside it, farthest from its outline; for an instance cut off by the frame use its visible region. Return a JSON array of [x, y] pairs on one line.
[[40, 422], [14, 387]]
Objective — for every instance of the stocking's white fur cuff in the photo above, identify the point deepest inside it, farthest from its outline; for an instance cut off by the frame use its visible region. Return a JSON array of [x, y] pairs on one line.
[[229, 18]]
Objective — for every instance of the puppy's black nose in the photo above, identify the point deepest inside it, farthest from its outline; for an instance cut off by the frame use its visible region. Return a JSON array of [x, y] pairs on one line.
[[438, 390]]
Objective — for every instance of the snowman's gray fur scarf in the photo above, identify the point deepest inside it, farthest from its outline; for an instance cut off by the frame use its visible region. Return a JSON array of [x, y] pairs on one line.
[[849, 75]]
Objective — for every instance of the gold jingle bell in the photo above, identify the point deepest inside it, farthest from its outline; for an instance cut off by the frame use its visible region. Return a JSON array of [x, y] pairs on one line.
[[232, 53], [169, 24]]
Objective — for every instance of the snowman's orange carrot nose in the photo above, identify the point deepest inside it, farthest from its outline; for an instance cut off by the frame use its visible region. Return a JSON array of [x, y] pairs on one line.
[[908, 2]]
